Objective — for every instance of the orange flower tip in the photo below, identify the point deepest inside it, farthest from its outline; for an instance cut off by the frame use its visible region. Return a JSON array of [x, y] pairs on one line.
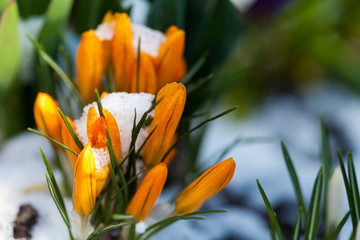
[[90, 65], [205, 187], [47, 117], [148, 192], [167, 116], [84, 189]]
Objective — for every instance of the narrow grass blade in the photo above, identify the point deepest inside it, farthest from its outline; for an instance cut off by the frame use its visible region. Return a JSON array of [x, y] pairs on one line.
[[354, 186], [146, 139], [191, 73], [121, 217], [297, 228], [348, 190], [337, 230], [312, 220], [197, 127], [271, 212], [58, 70], [52, 140], [101, 229], [294, 177], [325, 155], [71, 130], [138, 65], [156, 227], [193, 88], [98, 101]]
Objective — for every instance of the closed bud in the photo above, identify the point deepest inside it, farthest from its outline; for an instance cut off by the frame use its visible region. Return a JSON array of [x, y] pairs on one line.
[[90, 65], [167, 115], [123, 57], [171, 66], [47, 117], [204, 187], [148, 192]]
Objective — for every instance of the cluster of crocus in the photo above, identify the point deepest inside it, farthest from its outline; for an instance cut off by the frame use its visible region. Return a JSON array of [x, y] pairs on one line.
[[115, 45], [91, 168]]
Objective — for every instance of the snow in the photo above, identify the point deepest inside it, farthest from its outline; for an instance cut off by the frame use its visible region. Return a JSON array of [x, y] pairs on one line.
[[150, 39], [123, 107]]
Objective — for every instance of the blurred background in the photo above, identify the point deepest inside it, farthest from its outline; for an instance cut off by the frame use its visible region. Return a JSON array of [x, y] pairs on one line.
[[283, 62]]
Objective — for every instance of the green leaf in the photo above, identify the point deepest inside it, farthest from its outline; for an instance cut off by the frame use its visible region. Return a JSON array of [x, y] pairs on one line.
[[325, 155], [271, 212], [10, 50], [71, 130], [156, 227], [56, 18], [348, 191], [98, 101], [70, 85], [164, 13], [354, 186], [337, 230], [52, 140], [197, 127], [3, 4], [121, 217], [101, 228], [191, 73], [312, 220], [294, 178], [297, 228]]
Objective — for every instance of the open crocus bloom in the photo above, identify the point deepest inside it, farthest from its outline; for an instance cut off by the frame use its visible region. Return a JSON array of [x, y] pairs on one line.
[[161, 58]]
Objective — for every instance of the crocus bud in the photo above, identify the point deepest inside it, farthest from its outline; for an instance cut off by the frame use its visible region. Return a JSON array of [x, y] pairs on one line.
[[335, 201], [84, 189], [96, 130], [123, 57], [89, 65], [204, 187], [166, 119], [147, 193], [47, 117], [68, 140], [147, 75], [170, 62]]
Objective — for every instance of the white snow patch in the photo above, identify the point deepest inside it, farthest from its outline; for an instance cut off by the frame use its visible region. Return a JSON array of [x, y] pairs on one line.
[[123, 107], [150, 39]]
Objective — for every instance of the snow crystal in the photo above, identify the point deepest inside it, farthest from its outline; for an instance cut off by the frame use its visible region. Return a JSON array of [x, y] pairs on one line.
[[150, 39], [105, 31], [123, 107], [102, 157]]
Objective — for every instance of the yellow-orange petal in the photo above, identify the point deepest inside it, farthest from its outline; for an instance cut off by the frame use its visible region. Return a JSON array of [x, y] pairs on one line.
[[205, 187], [166, 119], [90, 65], [173, 152], [123, 57], [147, 193], [101, 176], [108, 17], [103, 94], [84, 188], [46, 110], [147, 75], [96, 130], [170, 56], [69, 141]]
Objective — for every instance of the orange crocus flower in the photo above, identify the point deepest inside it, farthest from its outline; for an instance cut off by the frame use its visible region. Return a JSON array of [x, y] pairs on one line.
[[96, 130], [204, 187], [68, 140], [147, 193], [85, 187], [171, 66], [166, 119], [47, 117], [123, 57], [90, 65]]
